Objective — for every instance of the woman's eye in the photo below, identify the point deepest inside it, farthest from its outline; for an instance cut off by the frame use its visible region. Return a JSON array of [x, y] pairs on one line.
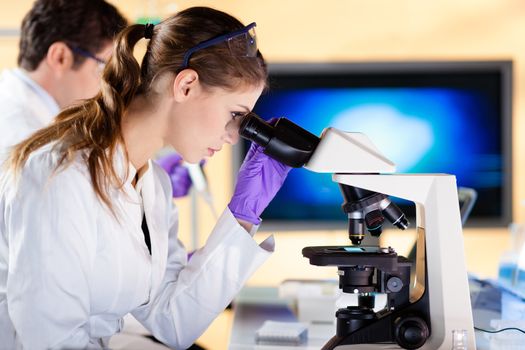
[[237, 115]]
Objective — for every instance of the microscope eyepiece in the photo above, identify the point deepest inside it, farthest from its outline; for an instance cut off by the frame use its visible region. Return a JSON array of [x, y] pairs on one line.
[[282, 140], [256, 129]]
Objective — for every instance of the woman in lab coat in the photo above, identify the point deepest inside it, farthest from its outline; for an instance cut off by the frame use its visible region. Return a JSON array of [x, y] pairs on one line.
[[88, 232]]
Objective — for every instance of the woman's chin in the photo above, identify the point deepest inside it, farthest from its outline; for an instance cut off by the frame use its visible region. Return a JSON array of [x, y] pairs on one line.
[[193, 159]]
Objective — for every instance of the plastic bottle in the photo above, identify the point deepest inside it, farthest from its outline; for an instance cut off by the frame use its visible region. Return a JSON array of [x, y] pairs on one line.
[[507, 268], [512, 276], [507, 272], [519, 278]]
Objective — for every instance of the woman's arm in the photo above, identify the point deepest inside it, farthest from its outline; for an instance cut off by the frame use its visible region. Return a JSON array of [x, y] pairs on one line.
[[193, 293]]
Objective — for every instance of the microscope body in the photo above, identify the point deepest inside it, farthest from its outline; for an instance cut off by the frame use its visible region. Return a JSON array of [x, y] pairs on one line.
[[437, 291], [426, 299]]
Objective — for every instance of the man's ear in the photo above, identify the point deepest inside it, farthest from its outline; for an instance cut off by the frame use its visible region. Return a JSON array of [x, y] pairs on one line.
[[59, 57], [185, 83]]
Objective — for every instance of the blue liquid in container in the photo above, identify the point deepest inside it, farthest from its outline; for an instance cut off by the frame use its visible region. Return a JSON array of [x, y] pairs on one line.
[[507, 272], [520, 282]]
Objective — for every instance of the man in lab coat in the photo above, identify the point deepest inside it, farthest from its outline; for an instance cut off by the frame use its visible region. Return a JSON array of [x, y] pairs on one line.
[[64, 45]]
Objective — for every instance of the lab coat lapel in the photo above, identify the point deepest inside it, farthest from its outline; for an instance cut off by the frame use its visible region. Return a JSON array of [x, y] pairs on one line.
[[155, 210]]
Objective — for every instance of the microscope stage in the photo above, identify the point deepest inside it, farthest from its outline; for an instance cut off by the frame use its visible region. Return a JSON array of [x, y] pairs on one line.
[[378, 257]]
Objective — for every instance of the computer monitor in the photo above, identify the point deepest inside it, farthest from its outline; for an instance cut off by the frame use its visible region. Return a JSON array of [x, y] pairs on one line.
[[427, 117]]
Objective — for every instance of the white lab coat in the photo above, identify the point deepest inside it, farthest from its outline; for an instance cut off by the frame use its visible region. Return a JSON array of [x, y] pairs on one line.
[[69, 270], [24, 108]]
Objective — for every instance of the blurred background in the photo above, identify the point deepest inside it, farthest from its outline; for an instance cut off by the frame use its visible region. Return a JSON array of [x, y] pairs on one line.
[[299, 31]]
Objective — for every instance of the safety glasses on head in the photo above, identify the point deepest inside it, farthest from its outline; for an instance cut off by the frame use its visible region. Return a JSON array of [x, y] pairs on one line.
[[242, 43]]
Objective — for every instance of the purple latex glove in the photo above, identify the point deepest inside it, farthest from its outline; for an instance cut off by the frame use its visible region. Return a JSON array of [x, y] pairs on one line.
[[260, 178], [179, 175]]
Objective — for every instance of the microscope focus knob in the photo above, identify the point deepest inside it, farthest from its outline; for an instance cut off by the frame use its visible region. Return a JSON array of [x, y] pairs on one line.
[[411, 332], [394, 284]]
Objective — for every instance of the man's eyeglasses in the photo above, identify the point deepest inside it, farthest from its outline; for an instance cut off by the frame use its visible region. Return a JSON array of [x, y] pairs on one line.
[[101, 64], [242, 43]]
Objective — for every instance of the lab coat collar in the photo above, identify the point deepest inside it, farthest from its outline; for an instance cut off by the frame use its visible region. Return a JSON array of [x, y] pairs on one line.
[[125, 169], [151, 195], [49, 102]]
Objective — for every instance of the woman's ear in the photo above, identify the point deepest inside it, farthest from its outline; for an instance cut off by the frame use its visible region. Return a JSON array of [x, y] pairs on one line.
[[185, 83], [59, 57]]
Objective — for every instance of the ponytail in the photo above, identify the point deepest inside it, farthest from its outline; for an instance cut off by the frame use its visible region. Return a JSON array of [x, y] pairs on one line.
[[94, 125], [121, 78]]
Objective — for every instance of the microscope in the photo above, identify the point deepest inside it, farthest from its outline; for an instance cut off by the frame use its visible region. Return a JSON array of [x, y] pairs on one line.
[[426, 299]]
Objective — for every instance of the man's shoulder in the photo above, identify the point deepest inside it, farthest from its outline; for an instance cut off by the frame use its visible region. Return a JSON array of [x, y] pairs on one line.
[[14, 104], [16, 124], [14, 111]]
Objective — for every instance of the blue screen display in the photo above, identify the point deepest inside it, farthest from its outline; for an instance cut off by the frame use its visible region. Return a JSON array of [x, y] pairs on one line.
[[423, 129]]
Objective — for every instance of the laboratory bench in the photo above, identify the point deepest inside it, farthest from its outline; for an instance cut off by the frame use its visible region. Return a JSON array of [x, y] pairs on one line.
[[255, 305]]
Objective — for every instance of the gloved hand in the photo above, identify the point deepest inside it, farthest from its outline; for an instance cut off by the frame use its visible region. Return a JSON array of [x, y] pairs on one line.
[[259, 179], [179, 174]]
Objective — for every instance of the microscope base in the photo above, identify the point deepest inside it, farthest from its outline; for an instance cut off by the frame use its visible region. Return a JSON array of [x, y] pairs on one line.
[[409, 328]]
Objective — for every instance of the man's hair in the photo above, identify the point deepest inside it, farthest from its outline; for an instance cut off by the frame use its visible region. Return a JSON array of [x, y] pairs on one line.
[[85, 24]]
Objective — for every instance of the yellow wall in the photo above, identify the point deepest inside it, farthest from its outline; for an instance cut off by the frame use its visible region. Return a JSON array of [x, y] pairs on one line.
[[355, 30]]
